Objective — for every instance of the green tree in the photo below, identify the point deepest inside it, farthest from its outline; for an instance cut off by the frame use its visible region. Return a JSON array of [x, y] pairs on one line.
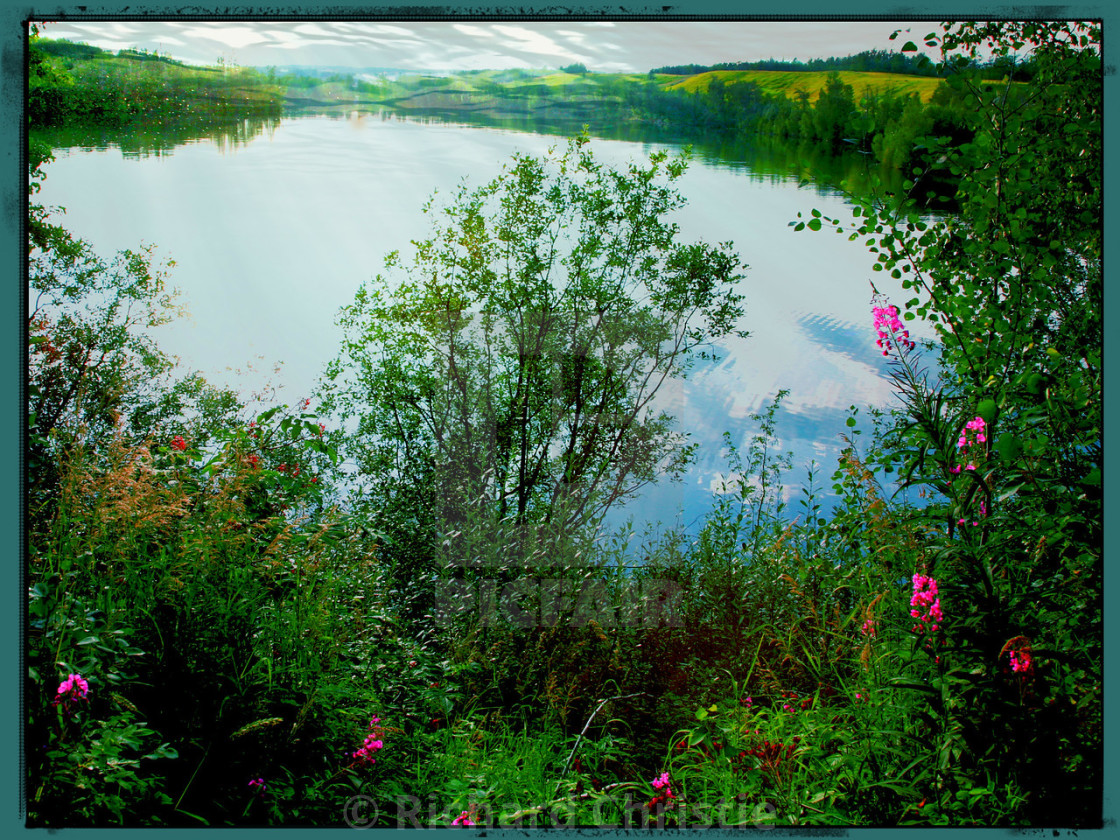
[[1008, 440], [511, 369]]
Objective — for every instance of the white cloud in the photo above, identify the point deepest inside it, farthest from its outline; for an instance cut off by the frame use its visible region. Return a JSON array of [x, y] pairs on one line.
[[470, 29], [530, 41], [231, 36], [313, 29], [288, 39]]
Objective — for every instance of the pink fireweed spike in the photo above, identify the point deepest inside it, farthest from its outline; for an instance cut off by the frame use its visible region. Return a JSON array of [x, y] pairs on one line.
[[925, 598], [889, 329], [373, 742]]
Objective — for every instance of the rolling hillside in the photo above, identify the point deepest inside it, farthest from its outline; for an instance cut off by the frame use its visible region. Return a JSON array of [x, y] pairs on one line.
[[791, 83]]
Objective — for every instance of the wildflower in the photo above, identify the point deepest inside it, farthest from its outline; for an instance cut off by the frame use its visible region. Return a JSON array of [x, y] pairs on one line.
[[254, 461], [888, 326], [372, 743], [1018, 652], [662, 781], [925, 597], [260, 786], [869, 628], [178, 443], [72, 690], [465, 817], [322, 428]]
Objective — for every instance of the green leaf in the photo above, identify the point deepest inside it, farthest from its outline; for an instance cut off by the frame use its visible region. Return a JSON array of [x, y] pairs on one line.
[[1009, 447], [909, 46], [987, 409]]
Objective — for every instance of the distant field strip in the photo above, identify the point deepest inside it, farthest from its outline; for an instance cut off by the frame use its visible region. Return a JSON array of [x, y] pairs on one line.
[[791, 83]]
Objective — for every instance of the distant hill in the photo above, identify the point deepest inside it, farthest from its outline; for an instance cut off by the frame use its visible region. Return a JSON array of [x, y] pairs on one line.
[[792, 83]]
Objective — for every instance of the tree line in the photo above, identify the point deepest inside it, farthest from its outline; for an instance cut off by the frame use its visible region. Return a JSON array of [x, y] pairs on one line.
[[868, 61]]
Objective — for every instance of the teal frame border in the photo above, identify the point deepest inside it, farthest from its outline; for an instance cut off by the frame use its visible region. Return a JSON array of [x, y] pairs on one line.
[[13, 355]]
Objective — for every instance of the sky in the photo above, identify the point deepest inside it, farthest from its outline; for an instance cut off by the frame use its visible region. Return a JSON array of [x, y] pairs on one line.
[[604, 46]]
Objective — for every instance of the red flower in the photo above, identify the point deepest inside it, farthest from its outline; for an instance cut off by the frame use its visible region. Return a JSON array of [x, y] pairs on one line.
[[178, 443]]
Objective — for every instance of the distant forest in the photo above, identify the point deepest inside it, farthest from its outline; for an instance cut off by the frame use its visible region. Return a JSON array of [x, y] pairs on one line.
[[869, 61]]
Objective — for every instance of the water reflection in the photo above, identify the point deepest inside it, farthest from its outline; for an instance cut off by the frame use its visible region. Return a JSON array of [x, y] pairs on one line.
[[158, 139], [270, 241]]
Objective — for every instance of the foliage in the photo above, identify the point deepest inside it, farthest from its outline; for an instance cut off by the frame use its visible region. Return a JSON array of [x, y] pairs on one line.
[[211, 636], [1007, 441], [72, 83], [515, 365]]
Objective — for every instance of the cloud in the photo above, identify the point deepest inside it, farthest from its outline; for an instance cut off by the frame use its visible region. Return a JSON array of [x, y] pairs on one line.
[[232, 36], [530, 41], [474, 31], [313, 29]]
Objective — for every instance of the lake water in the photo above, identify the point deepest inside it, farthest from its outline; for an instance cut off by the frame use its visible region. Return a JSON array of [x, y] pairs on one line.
[[273, 231]]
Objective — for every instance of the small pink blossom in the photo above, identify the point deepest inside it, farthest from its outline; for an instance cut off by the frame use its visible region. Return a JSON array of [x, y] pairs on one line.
[[464, 818], [71, 691]]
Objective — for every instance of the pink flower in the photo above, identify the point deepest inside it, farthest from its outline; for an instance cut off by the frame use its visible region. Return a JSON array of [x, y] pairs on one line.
[[925, 598], [178, 443], [463, 819], [868, 628], [662, 781], [71, 691], [1019, 654], [888, 326], [372, 743], [259, 785]]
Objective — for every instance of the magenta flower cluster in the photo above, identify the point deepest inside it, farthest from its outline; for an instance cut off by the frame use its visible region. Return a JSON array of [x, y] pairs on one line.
[[258, 786], [463, 819], [373, 742], [888, 326], [1020, 660], [869, 628], [71, 691], [925, 604], [974, 433], [973, 437], [661, 783]]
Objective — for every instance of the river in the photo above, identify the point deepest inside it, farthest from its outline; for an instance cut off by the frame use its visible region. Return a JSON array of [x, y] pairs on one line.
[[273, 227]]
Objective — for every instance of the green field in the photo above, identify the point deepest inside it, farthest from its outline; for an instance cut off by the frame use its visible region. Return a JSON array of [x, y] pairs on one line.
[[792, 83]]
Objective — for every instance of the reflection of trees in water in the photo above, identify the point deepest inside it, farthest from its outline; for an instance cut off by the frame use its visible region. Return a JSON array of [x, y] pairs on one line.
[[767, 159], [147, 139]]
